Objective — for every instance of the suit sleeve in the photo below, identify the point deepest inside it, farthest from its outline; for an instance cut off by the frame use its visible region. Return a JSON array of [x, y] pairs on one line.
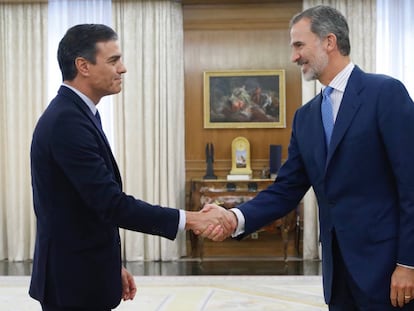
[[86, 161], [396, 123], [283, 195]]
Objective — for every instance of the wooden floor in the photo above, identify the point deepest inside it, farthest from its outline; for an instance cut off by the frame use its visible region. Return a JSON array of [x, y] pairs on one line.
[[261, 254], [209, 266]]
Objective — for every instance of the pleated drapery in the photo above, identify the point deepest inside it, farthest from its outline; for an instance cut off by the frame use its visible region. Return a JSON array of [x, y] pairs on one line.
[[149, 116], [23, 89]]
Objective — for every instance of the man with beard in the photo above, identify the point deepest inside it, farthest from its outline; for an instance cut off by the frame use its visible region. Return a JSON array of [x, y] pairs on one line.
[[353, 143]]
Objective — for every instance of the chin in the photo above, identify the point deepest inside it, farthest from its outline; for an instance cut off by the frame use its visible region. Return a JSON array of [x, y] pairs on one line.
[[309, 75], [117, 90]]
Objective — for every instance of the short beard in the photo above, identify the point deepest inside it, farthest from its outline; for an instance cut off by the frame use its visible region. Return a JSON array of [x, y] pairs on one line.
[[310, 75], [315, 71]]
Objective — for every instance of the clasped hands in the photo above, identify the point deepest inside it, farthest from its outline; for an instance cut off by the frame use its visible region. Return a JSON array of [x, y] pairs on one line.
[[213, 222]]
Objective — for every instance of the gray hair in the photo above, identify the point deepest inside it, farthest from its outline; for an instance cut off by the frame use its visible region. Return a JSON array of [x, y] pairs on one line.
[[325, 20]]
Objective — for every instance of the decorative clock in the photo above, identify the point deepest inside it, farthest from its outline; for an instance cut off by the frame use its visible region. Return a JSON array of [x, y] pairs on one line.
[[240, 149]]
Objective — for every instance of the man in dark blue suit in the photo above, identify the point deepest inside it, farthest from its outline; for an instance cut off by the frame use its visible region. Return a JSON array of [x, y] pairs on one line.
[[362, 174], [77, 187]]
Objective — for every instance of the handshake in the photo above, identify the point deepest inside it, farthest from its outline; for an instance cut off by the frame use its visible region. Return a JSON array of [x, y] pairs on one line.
[[213, 222]]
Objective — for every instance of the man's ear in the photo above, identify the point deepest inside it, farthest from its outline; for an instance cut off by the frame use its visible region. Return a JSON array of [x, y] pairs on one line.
[[82, 65], [331, 41]]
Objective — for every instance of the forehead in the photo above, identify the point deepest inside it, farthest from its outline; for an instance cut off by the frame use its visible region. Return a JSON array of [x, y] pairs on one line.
[[108, 48], [301, 31]]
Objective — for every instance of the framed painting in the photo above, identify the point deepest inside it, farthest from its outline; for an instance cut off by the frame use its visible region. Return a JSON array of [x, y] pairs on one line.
[[244, 99]]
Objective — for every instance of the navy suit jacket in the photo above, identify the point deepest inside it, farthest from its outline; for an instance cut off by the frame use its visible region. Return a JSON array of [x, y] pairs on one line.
[[79, 204], [364, 181]]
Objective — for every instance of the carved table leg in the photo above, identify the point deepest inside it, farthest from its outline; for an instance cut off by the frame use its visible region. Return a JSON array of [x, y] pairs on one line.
[[194, 241]]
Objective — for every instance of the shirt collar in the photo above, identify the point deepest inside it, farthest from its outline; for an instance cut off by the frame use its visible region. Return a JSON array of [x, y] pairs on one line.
[[85, 98], [341, 79]]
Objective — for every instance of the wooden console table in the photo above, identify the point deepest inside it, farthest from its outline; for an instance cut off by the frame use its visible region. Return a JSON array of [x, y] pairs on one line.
[[230, 193]]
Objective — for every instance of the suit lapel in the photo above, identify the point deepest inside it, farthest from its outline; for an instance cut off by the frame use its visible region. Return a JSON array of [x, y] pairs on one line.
[[349, 107], [85, 109]]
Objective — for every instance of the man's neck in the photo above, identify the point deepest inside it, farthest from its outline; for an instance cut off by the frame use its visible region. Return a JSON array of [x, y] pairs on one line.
[[84, 90], [334, 67]]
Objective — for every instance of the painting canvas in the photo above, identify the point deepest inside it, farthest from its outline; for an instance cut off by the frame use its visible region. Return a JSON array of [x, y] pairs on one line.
[[244, 99]]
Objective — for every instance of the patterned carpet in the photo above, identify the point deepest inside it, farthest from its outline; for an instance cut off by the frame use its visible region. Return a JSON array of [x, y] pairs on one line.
[[196, 293]]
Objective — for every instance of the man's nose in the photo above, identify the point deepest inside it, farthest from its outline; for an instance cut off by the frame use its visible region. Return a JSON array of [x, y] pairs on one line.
[[294, 56]]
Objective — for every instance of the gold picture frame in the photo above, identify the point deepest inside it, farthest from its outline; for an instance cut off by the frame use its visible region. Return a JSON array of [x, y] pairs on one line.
[[244, 99]]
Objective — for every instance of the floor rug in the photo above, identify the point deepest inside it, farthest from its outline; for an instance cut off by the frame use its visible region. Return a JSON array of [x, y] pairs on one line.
[[196, 293]]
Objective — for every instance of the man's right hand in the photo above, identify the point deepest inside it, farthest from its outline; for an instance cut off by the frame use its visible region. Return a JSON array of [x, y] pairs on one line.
[[213, 222]]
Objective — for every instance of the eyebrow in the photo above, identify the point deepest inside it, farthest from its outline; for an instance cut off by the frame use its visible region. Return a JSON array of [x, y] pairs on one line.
[[113, 58], [296, 43]]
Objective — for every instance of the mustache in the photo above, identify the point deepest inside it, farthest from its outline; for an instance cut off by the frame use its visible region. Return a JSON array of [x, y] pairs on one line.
[[300, 62]]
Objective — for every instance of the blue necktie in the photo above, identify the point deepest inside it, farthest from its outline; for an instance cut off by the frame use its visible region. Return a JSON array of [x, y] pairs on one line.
[[327, 113], [98, 116]]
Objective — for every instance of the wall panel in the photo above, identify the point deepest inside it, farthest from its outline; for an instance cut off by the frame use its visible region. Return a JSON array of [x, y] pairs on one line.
[[230, 35]]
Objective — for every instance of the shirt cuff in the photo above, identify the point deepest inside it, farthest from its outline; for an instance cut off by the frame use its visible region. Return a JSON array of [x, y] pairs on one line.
[[405, 266], [182, 220], [240, 222]]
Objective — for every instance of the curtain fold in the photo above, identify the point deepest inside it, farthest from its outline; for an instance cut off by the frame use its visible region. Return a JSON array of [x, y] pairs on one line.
[[395, 40], [23, 59], [149, 116], [361, 17]]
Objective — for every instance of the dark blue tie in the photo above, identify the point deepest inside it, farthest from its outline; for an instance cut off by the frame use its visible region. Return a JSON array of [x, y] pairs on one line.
[[327, 113], [98, 116]]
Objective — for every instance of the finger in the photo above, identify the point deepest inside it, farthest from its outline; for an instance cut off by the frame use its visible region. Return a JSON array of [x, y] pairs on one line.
[[393, 296], [206, 208], [231, 222], [208, 231], [220, 236], [226, 222], [132, 287], [211, 232], [393, 293], [133, 293], [401, 300], [125, 288], [217, 234]]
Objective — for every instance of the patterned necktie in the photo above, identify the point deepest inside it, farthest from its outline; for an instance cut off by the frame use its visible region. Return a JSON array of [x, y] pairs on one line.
[[327, 113]]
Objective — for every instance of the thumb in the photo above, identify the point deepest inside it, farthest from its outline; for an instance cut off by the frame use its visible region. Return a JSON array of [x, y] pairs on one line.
[[206, 208]]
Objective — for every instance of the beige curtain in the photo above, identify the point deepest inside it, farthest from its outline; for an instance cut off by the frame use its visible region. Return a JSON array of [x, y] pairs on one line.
[[149, 116], [361, 16], [23, 96], [395, 40]]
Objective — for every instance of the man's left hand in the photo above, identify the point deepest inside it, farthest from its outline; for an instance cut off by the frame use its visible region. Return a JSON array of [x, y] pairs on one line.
[[402, 286], [129, 288]]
